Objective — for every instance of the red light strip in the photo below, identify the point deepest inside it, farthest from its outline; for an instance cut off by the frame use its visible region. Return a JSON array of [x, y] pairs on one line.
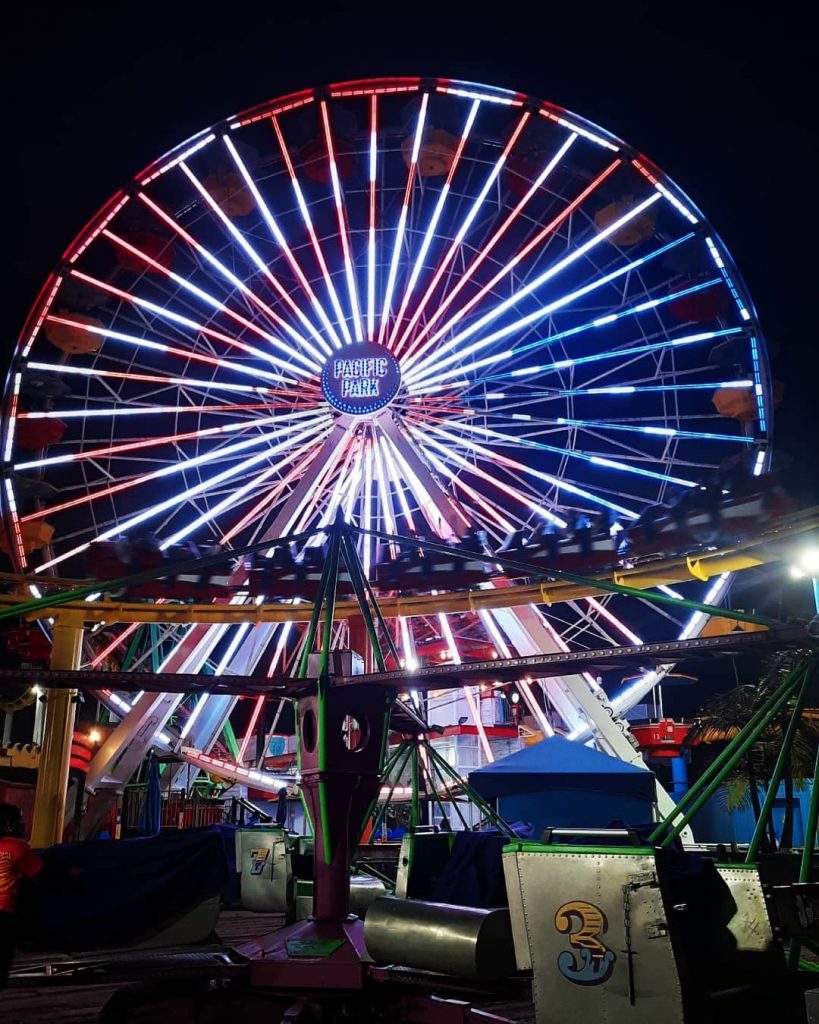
[[129, 446], [263, 306], [115, 643], [186, 353], [129, 410], [116, 488], [371, 240], [275, 491], [254, 718], [308, 223], [453, 249], [482, 255], [272, 113], [520, 255], [342, 221], [402, 218], [98, 230], [447, 185]]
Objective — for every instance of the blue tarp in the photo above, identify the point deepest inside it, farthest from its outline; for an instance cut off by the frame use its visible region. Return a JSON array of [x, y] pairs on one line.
[[127, 889], [150, 816], [561, 784]]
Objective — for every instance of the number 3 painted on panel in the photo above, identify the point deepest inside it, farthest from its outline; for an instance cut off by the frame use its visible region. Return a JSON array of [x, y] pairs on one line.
[[584, 923]]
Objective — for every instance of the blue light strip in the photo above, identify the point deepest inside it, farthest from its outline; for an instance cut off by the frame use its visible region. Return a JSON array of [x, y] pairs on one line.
[[622, 389], [433, 363], [547, 477], [758, 390], [598, 322], [563, 364], [659, 431], [718, 260], [596, 460]]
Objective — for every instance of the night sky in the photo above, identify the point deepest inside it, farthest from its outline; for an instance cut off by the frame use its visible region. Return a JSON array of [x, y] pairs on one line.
[[723, 102]]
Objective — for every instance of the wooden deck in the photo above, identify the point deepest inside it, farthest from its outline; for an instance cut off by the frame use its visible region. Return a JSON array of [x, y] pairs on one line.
[[81, 1004]]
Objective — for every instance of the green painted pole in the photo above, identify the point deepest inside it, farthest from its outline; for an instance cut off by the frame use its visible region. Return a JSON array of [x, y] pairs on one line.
[[230, 740], [470, 793], [385, 774], [435, 797], [453, 802], [315, 618], [751, 738], [415, 809], [717, 764], [407, 751], [807, 852], [779, 770], [356, 578]]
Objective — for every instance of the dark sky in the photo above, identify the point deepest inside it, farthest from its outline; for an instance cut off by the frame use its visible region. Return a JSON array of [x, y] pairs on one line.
[[724, 102]]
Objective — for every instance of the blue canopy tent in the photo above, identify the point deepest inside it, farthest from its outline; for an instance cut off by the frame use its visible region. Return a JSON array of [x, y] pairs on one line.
[[150, 816], [560, 784]]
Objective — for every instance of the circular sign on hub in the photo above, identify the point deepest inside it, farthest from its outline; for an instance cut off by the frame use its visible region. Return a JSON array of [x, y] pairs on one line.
[[361, 379]]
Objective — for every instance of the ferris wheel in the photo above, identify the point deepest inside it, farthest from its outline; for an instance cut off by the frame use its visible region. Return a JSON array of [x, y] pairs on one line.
[[427, 305]]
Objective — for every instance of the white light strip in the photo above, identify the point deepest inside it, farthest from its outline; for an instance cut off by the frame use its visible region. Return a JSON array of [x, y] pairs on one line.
[[277, 233], [402, 218], [527, 289], [176, 499]]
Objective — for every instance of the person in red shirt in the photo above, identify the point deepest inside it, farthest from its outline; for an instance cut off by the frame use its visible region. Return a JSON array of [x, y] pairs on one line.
[[17, 861]]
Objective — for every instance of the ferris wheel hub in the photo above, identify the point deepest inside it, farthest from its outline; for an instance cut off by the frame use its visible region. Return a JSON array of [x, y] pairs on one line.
[[361, 379]]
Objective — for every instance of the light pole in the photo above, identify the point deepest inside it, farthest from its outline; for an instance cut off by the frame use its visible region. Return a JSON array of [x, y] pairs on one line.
[[807, 565]]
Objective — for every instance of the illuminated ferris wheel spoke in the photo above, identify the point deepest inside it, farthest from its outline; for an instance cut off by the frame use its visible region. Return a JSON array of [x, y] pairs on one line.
[[260, 265], [425, 367], [616, 353], [183, 321], [397, 481], [235, 497], [119, 450], [278, 234], [147, 410], [546, 233], [166, 471], [469, 467], [306, 454], [536, 284], [190, 383], [432, 227], [343, 227], [231, 278], [495, 457], [489, 247], [372, 174], [352, 453], [599, 322], [402, 218], [597, 460], [511, 355], [304, 209], [424, 490], [463, 230], [177, 499]]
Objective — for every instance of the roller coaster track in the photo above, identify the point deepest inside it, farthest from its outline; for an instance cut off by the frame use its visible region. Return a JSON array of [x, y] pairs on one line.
[[772, 545]]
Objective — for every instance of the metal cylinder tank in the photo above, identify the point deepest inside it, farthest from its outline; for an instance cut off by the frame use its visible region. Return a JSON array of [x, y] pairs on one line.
[[463, 941]]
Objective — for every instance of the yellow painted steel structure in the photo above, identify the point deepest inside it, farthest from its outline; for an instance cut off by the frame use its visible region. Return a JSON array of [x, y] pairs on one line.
[[52, 775], [770, 547]]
